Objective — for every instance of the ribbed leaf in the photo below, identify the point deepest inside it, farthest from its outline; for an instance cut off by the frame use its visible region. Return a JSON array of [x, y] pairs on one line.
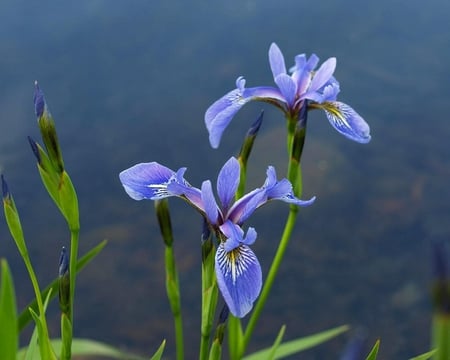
[[9, 341], [298, 345]]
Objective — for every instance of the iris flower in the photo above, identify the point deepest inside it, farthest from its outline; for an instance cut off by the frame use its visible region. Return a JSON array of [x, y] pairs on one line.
[[304, 86], [238, 271]]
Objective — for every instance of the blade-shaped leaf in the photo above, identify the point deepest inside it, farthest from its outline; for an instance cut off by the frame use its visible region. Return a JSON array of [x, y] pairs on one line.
[[9, 342], [374, 352], [277, 343], [425, 356], [159, 352], [295, 346]]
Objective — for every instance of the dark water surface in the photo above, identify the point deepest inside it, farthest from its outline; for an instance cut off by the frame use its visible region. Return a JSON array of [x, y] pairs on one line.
[[129, 81]]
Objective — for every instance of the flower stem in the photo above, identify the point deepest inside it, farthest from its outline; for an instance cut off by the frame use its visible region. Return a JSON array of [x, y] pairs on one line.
[[296, 133]]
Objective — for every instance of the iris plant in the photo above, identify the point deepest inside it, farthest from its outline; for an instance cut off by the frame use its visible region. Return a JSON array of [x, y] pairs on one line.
[[304, 86], [237, 268]]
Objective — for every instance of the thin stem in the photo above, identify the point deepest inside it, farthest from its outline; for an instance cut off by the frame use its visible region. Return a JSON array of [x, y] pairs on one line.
[[173, 293], [270, 277], [74, 234]]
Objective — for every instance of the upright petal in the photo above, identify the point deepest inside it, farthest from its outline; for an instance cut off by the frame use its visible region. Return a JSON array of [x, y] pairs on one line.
[[287, 87], [239, 278], [227, 182], [209, 202], [147, 181], [323, 75], [347, 121], [276, 61]]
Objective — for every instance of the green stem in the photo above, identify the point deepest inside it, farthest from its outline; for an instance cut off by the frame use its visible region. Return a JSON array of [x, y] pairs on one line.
[[173, 293], [48, 349], [441, 336], [74, 234], [270, 277], [296, 132]]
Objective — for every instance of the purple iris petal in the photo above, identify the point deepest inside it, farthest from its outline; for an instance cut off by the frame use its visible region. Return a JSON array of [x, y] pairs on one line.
[[281, 190], [146, 181], [323, 75], [287, 87], [246, 205], [239, 277], [276, 61], [210, 205], [347, 121], [219, 115], [227, 182]]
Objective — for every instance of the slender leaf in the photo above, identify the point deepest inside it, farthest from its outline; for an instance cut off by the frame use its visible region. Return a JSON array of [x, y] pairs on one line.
[[374, 352], [159, 352], [277, 343], [425, 356], [9, 342], [25, 317], [86, 347], [298, 345]]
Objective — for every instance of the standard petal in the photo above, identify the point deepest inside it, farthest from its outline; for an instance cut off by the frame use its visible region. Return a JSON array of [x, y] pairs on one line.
[[287, 87], [227, 182], [239, 278], [209, 202], [245, 206], [147, 181], [323, 75], [276, 61], [347, 121]]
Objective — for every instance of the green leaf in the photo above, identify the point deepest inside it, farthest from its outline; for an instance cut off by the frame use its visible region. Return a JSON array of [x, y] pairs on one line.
[[425, 356], [277, 343], [25, 317], [66, 336], [69, 201], [159, 352], [374, 352], [295, 346], [86, 347], [9, 342]]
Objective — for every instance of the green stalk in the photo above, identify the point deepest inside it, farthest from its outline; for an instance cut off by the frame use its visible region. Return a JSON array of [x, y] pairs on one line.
[[209, 295], [173, 293], [296, 133], [172, 282], [441, 336]]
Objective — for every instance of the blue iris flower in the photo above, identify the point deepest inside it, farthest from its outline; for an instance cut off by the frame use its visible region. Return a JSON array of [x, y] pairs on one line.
[[238, 271], [304, 86]]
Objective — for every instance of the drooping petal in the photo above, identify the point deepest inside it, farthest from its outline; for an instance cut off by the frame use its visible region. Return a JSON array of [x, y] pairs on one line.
[[239, 278], [219, 114], [147, 181], [281, 190], [276, 60], [227, 182], [209, 202], [347, 121]]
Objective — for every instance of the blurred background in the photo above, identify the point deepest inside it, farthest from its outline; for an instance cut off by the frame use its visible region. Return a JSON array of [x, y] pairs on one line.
[[129, 82]]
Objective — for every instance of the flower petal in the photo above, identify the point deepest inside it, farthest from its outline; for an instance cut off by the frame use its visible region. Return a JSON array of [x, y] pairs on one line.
[[235, 235], [276, 61], [347, 121], [245, 206], [281, 190], [323, 75], [209, 202], [239, 278], [147, 181], [219, 115], [287, 87], [227, 182]]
